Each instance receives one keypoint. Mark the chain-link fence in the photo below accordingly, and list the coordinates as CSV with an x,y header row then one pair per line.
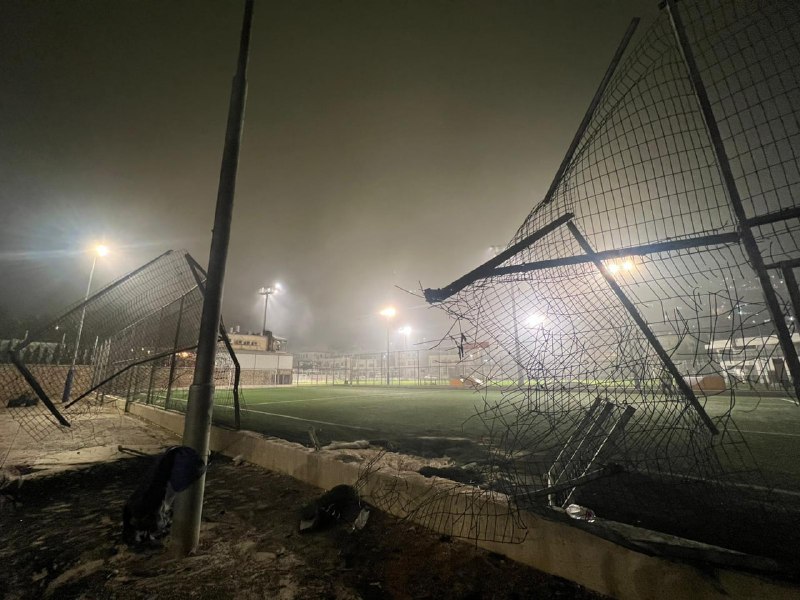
x,y
658,270
419,367
132,341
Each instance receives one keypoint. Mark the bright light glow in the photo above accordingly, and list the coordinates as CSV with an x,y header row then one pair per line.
x,y
405,330
273,289
389,312
101,250
534,320
625,264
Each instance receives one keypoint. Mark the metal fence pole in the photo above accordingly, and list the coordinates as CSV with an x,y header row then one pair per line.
x,y
173,358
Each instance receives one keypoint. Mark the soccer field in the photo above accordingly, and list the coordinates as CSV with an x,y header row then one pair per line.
x,y
432,421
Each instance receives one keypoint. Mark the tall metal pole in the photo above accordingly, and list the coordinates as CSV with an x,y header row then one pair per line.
x,y
745,231
266,305
71,372
197,428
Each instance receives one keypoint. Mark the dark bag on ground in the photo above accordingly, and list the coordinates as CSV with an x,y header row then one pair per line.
x,y
147,515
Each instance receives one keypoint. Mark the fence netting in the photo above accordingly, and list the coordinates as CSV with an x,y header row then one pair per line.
x,y
610,333
132,341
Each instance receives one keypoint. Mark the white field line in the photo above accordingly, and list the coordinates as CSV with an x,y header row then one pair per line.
x,y
789,400
770,433
749,486
365,396
261,412
757,400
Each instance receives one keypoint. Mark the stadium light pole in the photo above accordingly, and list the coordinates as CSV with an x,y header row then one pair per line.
x,y
99,250
389,312
200,404
406,331
267,292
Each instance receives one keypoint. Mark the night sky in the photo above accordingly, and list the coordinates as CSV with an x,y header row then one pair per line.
x,y
386,143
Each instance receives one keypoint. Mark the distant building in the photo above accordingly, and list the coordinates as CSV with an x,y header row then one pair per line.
x,y
257,342
262,358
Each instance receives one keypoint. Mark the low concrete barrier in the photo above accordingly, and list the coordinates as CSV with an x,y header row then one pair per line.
x,y
556,548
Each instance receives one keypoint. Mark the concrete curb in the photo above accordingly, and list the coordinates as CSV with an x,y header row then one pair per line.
x,y
556,548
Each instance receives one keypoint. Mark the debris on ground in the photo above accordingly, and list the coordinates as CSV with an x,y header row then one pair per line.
x,y
65,540
340,504
312,435
357,445
457,474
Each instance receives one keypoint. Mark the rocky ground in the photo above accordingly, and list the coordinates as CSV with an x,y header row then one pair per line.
x,y
60,538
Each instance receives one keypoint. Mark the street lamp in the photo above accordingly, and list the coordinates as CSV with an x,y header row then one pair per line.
x,y
99,250
389,312
267,292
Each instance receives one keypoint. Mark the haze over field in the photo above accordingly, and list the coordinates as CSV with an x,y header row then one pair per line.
x,y
385,143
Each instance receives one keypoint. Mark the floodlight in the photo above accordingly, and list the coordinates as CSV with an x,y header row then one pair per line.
x,y
534,320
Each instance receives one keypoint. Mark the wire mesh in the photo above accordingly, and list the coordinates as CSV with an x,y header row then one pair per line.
x,y
605,362
132,341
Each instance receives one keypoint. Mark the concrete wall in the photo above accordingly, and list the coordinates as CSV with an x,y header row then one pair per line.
x,y
550,546
265,360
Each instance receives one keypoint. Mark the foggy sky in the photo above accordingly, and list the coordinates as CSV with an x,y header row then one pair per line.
x,y
386,143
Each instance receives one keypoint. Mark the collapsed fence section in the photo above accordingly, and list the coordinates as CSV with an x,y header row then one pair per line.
x,y
662,255
132,341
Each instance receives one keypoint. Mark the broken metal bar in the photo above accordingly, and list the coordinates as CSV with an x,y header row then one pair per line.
x,y
485,270
748,240
199,273
237,374
201,276
783,264
645,329
775,217
616,430
578,431
719,239
605,471
28,376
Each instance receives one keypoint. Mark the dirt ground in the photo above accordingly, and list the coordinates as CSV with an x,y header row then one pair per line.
x,y
60,537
